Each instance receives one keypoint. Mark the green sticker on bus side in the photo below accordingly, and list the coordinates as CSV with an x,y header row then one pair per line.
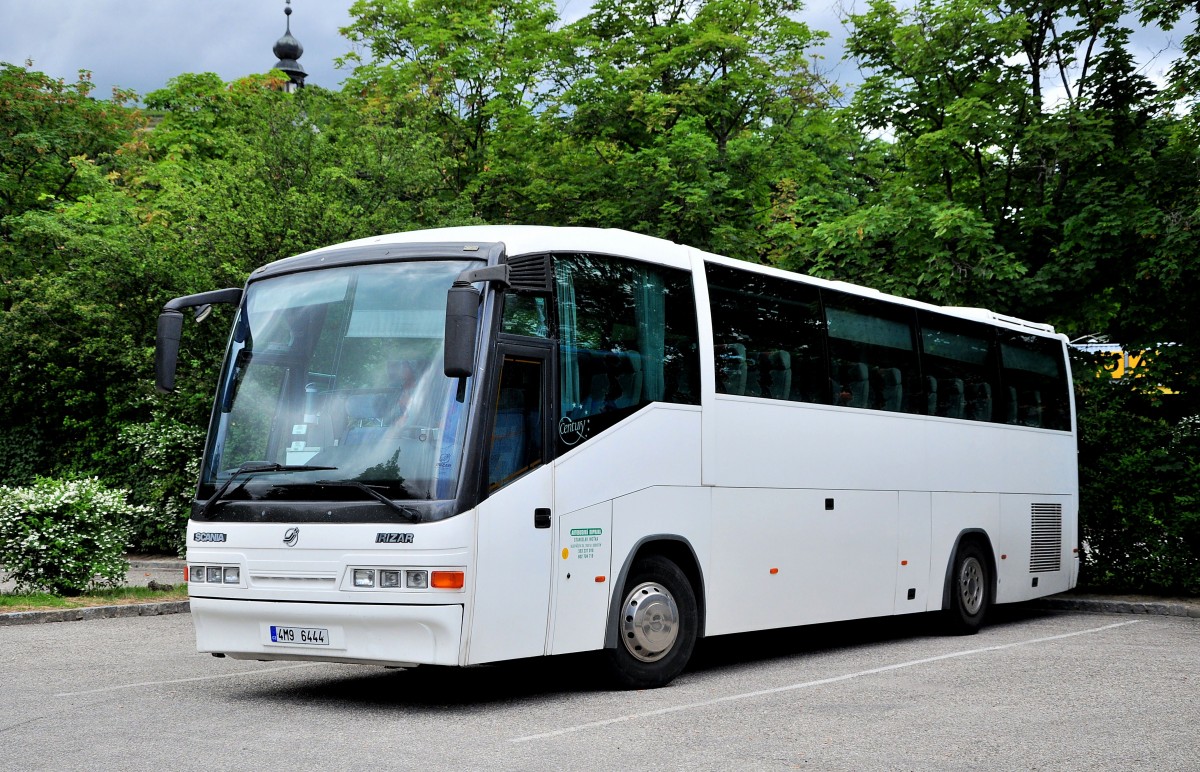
x,y
587,531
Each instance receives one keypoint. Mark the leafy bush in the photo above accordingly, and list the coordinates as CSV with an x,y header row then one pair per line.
x,y
160,464
65,536
1139,479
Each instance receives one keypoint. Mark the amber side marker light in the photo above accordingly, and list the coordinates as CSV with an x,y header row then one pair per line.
x,y
446,580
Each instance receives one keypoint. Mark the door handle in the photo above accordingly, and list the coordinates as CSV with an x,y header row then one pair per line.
x,y
541,517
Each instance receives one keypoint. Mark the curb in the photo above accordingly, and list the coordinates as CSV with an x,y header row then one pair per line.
x,y
95,612
1107,606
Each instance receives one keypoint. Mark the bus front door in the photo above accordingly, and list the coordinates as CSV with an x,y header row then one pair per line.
x,y
512,583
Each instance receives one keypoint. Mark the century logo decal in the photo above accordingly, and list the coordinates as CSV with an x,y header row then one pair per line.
x,y
572,431
291,536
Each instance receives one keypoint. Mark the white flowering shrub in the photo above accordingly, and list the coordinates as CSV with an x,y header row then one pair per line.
x,y
65,536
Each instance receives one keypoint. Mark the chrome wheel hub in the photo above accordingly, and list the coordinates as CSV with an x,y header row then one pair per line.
x,y
649,622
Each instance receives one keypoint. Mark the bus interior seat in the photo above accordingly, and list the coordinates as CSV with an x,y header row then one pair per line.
x,y
774,374
626,372
929,396
1031,408
365,417
731,368
808,382
979,402
593,381
1011,407
891,389
677,384
951,400
856,385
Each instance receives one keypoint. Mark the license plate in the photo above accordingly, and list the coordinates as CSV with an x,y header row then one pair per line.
x,y
304,636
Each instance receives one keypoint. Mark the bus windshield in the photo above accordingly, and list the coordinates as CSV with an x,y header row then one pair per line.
x,y
337,374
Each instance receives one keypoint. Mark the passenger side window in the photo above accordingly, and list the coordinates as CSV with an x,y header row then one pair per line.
x,y
769,336
959,366
873,359
1034,381
627,337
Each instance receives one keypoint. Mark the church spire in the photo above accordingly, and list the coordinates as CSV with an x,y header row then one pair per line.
x,y
288,50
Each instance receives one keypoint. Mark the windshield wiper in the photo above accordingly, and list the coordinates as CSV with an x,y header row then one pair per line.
x,y
248,471
412,515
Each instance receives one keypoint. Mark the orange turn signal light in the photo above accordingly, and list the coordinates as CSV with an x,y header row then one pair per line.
x,y
446,580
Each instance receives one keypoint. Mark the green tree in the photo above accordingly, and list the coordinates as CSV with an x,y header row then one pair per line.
x,y
462,72
233,176
681,120
1024,143
45,123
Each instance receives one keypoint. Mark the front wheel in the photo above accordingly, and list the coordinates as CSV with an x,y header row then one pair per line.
x,y
657,626
970,589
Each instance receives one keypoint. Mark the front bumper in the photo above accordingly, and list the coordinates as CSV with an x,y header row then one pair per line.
x,y
377,634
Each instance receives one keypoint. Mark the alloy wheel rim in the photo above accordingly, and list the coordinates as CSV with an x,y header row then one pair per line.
x,y
970,585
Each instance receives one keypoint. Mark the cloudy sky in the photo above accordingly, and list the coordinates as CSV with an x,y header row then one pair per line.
x,y
140,44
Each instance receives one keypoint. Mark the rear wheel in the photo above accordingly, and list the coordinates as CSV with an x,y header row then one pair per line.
x,y
657,626
970,589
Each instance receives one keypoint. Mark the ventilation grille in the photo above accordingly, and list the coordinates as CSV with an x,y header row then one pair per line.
x,y
1045,538
530,273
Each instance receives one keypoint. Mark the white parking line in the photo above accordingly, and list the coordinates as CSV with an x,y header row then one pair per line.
x,y
807,684
187,680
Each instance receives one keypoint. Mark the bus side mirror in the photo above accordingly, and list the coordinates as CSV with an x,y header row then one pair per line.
x,y
166,351
462,323
170,329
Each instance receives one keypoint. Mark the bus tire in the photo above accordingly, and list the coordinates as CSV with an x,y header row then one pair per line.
x,y
657,625
970,589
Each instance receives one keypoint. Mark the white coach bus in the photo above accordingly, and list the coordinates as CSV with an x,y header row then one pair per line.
x,y
475,444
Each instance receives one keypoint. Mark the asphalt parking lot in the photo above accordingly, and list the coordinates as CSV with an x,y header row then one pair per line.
x,y
1034,690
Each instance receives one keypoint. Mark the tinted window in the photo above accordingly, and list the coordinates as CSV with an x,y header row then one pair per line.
x,y
517,432
959,369
526,315
1034,381
769,336
627,337
873,361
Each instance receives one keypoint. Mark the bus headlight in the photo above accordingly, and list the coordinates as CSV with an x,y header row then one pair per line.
x,y
202,574
402,579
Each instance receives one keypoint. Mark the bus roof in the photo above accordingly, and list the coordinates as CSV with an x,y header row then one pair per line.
x,y
525,239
